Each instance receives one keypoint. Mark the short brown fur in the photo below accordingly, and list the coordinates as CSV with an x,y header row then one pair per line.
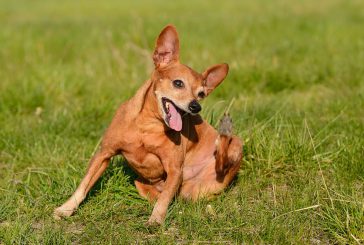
x,y
195,162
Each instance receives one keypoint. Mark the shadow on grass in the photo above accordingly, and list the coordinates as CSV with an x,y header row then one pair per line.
x,y
118,166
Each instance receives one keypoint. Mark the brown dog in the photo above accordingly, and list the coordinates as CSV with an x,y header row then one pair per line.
x,y
171,148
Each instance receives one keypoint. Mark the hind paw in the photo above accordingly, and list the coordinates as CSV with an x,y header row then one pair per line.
x,y
226,125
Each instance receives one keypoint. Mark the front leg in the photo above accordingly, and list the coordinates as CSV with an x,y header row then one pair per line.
x,y
96,167
171,186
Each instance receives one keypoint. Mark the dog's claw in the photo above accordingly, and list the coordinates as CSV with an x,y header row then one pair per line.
x,y
226,125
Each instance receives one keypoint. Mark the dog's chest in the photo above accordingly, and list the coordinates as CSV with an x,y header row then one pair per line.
x,y
142,154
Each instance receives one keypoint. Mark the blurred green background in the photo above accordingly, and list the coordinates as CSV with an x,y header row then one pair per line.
x,y
296,88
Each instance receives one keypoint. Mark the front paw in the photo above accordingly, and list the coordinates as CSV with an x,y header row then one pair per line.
x,y
61,212
154,221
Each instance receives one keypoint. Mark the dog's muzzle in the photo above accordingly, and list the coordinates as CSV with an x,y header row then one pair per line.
x,y
194,106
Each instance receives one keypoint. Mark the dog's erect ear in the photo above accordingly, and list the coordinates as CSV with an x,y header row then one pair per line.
x,y
213,76
166,48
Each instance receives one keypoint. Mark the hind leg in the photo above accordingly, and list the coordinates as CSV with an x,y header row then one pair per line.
x,y
228,149
146,190
228,156
210,181
219,171
97,166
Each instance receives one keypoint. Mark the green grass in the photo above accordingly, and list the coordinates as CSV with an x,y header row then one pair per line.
x,y
297,90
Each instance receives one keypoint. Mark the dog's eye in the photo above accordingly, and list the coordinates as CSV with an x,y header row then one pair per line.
x,y
201,94
178,84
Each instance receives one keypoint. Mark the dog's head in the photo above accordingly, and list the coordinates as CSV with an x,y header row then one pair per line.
x,y
178,88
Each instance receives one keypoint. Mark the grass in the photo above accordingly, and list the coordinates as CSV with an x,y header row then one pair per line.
x,y
296,89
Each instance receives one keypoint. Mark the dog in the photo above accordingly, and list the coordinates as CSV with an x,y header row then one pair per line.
x,y
163,138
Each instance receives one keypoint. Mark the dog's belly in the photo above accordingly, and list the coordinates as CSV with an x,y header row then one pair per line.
x,y
200,180
146,165
202,154
198,162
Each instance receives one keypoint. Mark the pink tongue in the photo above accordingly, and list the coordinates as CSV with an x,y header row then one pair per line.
x,y
175,121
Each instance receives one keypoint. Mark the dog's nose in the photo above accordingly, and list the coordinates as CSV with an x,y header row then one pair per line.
x,y
194,106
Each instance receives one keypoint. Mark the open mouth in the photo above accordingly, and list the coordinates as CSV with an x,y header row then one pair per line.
x,y
173,116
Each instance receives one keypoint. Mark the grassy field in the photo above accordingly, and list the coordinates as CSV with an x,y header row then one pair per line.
x,y
296,90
